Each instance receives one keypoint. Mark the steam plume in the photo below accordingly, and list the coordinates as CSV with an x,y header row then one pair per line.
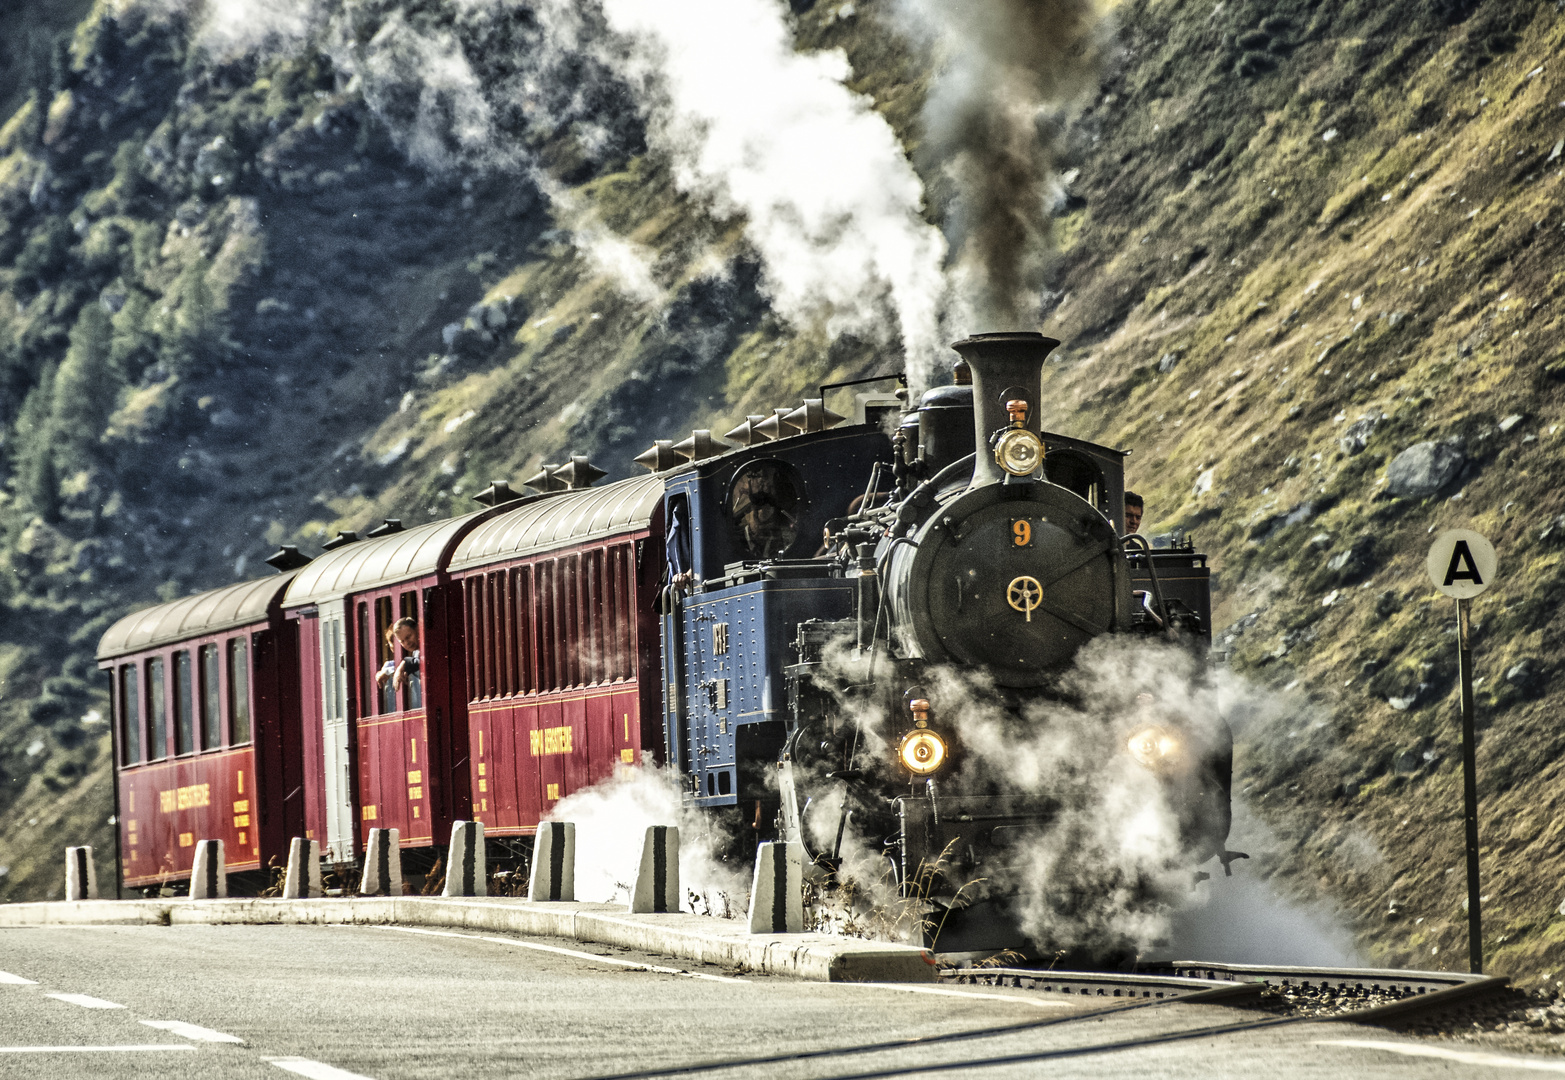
x,y
829,199
1011,70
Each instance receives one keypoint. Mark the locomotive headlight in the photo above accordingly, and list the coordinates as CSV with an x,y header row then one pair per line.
x,y
1019,452
922,751
1156,747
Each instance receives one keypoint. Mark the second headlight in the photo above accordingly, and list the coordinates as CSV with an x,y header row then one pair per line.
x,y
922,752
1156,747
1019,452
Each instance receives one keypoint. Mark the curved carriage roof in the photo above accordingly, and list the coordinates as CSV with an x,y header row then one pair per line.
x,y
193,616
383,560
575,517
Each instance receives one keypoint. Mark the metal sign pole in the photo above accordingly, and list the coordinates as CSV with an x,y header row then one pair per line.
x,y
1469,791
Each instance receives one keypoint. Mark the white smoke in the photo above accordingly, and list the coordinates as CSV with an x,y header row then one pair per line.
x,y
1244,919
1114,869
755,128
628,264
612,818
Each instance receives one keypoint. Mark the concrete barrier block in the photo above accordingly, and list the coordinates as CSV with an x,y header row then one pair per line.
x,y
466,874
657,885
382,864
777,895
209,876
554,862
303,879
81,876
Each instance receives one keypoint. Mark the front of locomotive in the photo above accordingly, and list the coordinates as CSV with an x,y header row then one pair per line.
x,y
994,581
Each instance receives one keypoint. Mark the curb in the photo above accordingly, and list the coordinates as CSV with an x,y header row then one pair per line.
x,y
696,938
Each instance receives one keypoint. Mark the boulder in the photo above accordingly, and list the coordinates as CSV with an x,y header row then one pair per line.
x,y
1356,437
1423,469
1526,675
1355,562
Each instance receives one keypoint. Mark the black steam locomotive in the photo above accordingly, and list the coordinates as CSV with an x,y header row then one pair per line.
x,y
969,555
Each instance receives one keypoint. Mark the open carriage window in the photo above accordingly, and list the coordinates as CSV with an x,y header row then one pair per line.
x,y
413,689
383,653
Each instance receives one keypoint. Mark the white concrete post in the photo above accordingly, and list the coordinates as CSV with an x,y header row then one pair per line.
x,y
466,874
777,895
209,875
304,870
657,886
554,862
81,876
382,864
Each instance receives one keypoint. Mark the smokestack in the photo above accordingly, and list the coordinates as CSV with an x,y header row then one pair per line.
x,y
1006,367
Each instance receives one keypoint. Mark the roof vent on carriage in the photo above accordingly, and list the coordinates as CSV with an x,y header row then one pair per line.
x,y
546,481
498,491
579,473
745,434
286,558
385,528
659,456
700,446
342,539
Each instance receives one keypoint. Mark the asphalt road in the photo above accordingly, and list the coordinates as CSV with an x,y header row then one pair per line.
x,y
332,1003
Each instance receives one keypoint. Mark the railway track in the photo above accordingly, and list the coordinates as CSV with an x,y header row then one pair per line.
x,y
1354,995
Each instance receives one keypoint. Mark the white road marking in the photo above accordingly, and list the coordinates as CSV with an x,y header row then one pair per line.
x,y
1466,1057
93,1049
192,1031
85,1001
8,979
635,964
908,988
315,1070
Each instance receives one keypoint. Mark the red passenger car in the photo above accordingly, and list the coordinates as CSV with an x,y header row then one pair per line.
x,y
198,685
561,647
376,756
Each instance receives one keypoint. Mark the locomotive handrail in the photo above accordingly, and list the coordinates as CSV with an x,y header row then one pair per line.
x,y
921,494
1157,586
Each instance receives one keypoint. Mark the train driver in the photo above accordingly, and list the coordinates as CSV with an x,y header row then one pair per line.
x,y
1133,509
403,632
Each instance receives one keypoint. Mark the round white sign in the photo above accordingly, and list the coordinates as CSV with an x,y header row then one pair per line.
x,y
1461,563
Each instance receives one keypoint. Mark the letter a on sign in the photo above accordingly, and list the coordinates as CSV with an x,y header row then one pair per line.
x,y
1461,563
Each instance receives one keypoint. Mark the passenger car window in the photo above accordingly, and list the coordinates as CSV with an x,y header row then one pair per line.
x,y
238,691
130,715
157,711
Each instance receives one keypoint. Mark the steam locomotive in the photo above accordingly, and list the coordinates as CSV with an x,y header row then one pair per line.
x,y
767,615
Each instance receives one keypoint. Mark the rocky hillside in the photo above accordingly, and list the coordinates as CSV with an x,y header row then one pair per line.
x,y
1304,259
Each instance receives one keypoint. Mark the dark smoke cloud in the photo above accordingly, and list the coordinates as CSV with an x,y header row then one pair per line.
x,y
1010,73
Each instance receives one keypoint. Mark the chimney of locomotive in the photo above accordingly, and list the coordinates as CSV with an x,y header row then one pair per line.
x,y
1006,367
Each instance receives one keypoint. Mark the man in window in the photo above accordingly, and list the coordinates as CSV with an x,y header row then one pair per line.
x,y
1133,509
403,632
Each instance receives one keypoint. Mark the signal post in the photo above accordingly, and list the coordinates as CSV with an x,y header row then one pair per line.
x,y
1462,565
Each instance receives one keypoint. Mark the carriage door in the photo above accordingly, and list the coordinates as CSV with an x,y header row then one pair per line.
x,y
334,731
